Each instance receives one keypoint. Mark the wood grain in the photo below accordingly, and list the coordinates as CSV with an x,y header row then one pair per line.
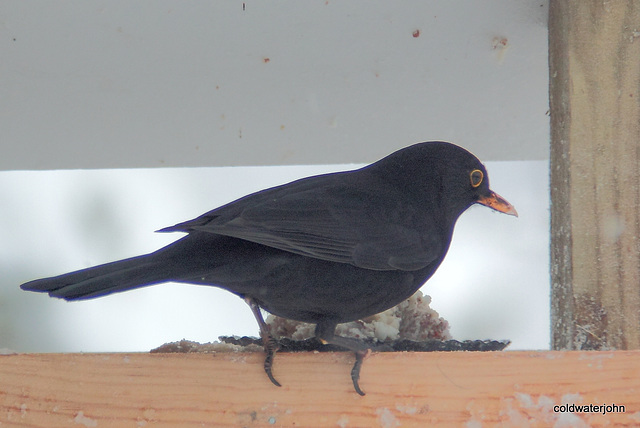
x,y
470,389
594,51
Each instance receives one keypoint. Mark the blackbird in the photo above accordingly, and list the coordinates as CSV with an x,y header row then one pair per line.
x,y
326,249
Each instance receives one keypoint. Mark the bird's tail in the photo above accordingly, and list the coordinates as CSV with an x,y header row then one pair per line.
x,y
104,279
189,259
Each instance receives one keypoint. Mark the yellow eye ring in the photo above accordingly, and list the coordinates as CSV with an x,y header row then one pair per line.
x,y
476,176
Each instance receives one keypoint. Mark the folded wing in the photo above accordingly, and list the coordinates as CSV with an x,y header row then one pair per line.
x,y
330,219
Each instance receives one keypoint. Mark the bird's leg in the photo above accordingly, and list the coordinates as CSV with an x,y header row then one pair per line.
x,y
355,371
268,341
325,332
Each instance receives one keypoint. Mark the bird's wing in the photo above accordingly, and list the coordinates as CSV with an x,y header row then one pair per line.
x,y
367,227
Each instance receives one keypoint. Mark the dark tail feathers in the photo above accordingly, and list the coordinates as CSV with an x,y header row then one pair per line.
x,y
104,279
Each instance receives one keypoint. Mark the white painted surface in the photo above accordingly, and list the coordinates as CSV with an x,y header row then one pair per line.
x,y
112,84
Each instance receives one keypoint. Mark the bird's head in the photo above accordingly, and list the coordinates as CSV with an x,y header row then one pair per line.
x,y
443,174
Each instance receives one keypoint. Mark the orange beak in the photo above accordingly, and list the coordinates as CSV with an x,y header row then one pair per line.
x,y
498,203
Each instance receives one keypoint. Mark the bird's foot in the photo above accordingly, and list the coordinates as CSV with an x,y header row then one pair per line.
x,y
325,332
270,347
268,341
355,371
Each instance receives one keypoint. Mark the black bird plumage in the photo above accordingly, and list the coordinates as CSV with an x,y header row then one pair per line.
x,y
325,249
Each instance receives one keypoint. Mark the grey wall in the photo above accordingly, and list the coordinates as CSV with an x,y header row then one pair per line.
x,y
110,84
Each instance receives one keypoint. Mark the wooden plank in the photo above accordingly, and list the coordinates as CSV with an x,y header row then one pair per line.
x,y
408,389
594,54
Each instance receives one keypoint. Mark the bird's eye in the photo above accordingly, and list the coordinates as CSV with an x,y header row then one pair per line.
x,y
476,176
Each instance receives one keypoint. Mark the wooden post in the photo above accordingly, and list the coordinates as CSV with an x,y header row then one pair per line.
x,y
594,55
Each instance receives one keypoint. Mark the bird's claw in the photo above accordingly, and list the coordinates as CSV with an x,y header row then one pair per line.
x,y
355,371
268,341
270,347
